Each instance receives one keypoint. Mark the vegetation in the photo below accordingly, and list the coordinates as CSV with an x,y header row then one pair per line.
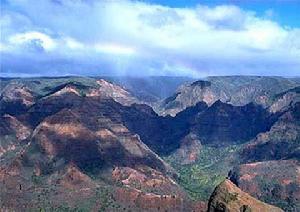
x,y
100,200
47,85
273,190
11,146
200,179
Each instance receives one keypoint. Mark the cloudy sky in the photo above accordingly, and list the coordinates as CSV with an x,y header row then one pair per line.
x,y
158,37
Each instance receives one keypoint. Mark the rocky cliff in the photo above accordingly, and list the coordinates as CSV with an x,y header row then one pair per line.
x,y
228,197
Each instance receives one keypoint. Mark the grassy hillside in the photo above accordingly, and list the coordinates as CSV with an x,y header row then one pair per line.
x,y
200,178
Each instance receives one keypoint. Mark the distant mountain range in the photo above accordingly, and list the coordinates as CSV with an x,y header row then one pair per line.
x,y
150,144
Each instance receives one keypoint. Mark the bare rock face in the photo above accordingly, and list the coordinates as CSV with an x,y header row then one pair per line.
x,y
11,125
73,178
161,134
16,98
235,90
67,89
18,92
50,105
141,201
146,179
228,197
116,92
146,189
89,141
76,143
224,123
14,136
189,149
285,100
275,182
149,201
282,141
189,95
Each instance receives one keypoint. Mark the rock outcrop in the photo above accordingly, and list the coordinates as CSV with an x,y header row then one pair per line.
x,y
228,197
116,92
16,98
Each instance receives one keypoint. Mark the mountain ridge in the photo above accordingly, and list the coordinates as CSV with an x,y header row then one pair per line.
x,y
96,137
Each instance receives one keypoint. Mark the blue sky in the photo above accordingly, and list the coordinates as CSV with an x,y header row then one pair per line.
x,y
286,12
153,37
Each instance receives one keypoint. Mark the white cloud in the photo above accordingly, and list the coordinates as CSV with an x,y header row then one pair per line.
x,y
113,48
41,39
159,40
72,43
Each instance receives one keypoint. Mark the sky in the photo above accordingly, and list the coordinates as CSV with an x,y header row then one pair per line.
x,y
194,38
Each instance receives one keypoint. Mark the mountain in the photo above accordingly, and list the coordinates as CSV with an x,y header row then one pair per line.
x,y
275,182
230,136
284,100
76,143
235,90
282,141
146,89
270,169
16,98
150,89
77,153
222,123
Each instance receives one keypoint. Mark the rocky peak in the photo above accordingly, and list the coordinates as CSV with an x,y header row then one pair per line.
x,y
11,125
228,197
116,92
18,92
187,96
285,100
236,90
16,98
66,89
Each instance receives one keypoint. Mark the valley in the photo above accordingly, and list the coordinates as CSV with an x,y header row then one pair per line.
x,y
118,144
